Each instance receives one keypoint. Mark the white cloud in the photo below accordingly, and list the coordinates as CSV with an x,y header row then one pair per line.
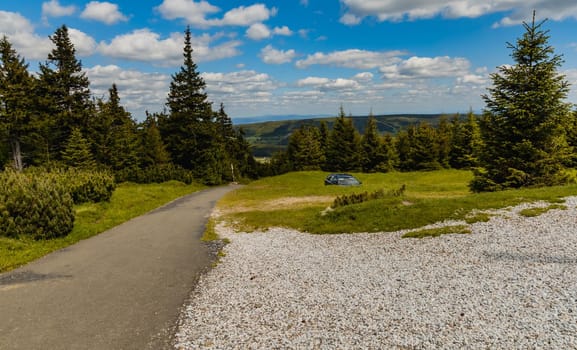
x,y
325,84
27,43
426,68
240,91
258,31
194,12
284,30
105,12
138,91
364,76
53,8
197,13
313,81
84,44
399,10
353,58
144,45
271,55
245,16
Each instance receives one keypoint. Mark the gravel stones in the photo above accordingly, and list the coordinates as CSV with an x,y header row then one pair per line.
x,y
510,284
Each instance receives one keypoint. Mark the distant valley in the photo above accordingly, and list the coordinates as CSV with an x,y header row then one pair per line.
x,y
268,137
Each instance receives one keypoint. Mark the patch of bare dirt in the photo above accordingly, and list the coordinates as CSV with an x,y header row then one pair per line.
x,y
279,203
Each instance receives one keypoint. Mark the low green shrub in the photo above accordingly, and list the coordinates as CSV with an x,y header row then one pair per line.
x,y
32,205
89,185
84,185
155,174
356,198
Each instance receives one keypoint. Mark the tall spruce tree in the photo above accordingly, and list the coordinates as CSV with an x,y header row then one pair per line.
x,y
17,105
64,94
466,142
343,151
153,151
526,118
114,135
304,149
77,151
189,129
373,151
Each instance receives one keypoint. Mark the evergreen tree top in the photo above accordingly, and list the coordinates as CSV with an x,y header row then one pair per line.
x,y
187,89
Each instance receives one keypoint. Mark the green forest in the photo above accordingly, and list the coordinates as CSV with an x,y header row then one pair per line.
x,y
60,145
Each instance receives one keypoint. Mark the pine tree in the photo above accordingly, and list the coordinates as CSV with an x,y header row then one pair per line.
x,y
65,95
77,151
153,151
343,146
524,126
114,134
17,107
373,156
466,142
304,149
444,140
188,130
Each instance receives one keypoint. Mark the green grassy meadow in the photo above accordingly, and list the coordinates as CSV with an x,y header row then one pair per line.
x,y
300,200
128,201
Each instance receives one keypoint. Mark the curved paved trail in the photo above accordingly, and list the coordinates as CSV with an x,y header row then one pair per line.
x,y
122,289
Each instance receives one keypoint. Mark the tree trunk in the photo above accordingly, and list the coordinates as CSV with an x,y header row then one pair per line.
x,y
17,155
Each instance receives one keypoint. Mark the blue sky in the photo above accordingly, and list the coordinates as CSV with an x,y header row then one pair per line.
x,y
305,57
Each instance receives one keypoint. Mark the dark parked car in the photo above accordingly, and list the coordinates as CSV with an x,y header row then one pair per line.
x,y
342,179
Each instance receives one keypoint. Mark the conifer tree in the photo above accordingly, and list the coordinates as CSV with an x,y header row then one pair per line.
x,y
188,130
304,149
373,156
526,118
17,107
444,140
466,142
64,93
114,134
77,152
153,150
343,147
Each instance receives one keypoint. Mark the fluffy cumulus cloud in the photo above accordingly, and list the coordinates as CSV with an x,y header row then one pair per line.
x,y
199,14
241,91
138,91
53,8
105,12
270,55
398,10
325,84
426,68
259,31
353,58
84,44
147,46
21,34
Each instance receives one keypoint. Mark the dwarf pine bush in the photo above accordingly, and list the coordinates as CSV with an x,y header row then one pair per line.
x,y
36,206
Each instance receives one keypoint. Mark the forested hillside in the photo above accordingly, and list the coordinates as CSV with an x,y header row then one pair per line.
x,y
268,137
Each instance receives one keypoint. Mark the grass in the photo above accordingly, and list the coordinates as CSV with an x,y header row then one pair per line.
x,y
429,197
436,232
532,212
128,201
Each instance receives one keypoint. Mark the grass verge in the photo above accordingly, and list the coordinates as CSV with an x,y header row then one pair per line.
x,y
299,201
436,232
128,201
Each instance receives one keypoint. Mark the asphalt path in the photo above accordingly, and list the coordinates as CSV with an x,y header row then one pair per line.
x,y
122,289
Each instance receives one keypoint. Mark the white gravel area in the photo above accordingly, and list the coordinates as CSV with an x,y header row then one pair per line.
x,y
511,284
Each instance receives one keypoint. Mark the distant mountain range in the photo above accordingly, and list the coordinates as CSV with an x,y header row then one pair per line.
x,y
268,118
269,134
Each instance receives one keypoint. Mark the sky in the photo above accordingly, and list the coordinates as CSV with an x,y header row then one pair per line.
x,y
295,57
